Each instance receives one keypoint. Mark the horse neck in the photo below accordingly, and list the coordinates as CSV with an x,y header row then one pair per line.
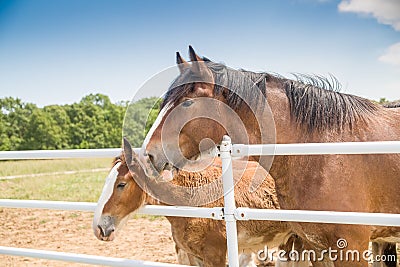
x,y
195,179
182,179
151,201
285,130
146,186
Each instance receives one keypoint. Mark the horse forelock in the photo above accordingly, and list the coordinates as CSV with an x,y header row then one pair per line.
x,y
243,87
120,158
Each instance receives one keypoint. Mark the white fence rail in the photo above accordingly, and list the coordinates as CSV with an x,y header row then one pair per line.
x,y
180,211
61,154
238,150
229,212
348,148
337,217
81,258
58,154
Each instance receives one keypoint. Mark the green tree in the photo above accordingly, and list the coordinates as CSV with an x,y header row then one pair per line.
x,y
139,117
93,122
15,117
42,132
60,123
383,100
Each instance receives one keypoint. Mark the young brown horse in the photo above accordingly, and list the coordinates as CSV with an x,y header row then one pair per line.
x,y
301,113
203,239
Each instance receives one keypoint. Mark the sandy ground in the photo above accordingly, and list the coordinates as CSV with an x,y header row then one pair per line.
x,y
66,231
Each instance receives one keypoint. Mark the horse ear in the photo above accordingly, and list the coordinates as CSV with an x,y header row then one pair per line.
x,y
130,155
198,64
193,56
182,64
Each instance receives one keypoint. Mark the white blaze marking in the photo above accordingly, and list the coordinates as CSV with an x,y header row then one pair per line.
x,y
105,194
155,125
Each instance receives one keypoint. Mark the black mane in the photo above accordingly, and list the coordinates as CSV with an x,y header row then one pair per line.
x,y
315,101
320,106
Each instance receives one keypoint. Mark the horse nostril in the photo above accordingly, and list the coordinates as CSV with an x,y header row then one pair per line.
x,y
105,231
102,232
168,166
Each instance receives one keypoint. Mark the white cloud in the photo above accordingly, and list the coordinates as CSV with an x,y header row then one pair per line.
x,y
392,55
385,11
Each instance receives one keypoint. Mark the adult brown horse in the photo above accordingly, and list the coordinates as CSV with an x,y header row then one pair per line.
x,y
301,113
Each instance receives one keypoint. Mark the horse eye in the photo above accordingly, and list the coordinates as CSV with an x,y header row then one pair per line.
x,y
121,185
187,103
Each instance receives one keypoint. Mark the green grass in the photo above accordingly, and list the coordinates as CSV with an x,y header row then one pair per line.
x,y
75,187
67,187
20,167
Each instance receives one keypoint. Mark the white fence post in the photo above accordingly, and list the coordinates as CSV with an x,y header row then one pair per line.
x,y
229,202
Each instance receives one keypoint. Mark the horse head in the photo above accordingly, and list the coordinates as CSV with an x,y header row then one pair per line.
x,y
121,195
197,110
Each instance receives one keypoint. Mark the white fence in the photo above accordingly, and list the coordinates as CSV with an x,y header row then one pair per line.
x,y
62,154
229,212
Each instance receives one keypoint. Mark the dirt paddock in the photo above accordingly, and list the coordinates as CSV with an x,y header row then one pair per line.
x,y
68,231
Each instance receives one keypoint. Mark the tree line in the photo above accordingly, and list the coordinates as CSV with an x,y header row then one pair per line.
x,y
93,122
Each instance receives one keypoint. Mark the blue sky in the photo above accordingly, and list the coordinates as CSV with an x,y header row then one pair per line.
x,y
55,52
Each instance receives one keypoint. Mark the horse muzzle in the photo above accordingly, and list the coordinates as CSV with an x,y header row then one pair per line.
x,y
106,228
